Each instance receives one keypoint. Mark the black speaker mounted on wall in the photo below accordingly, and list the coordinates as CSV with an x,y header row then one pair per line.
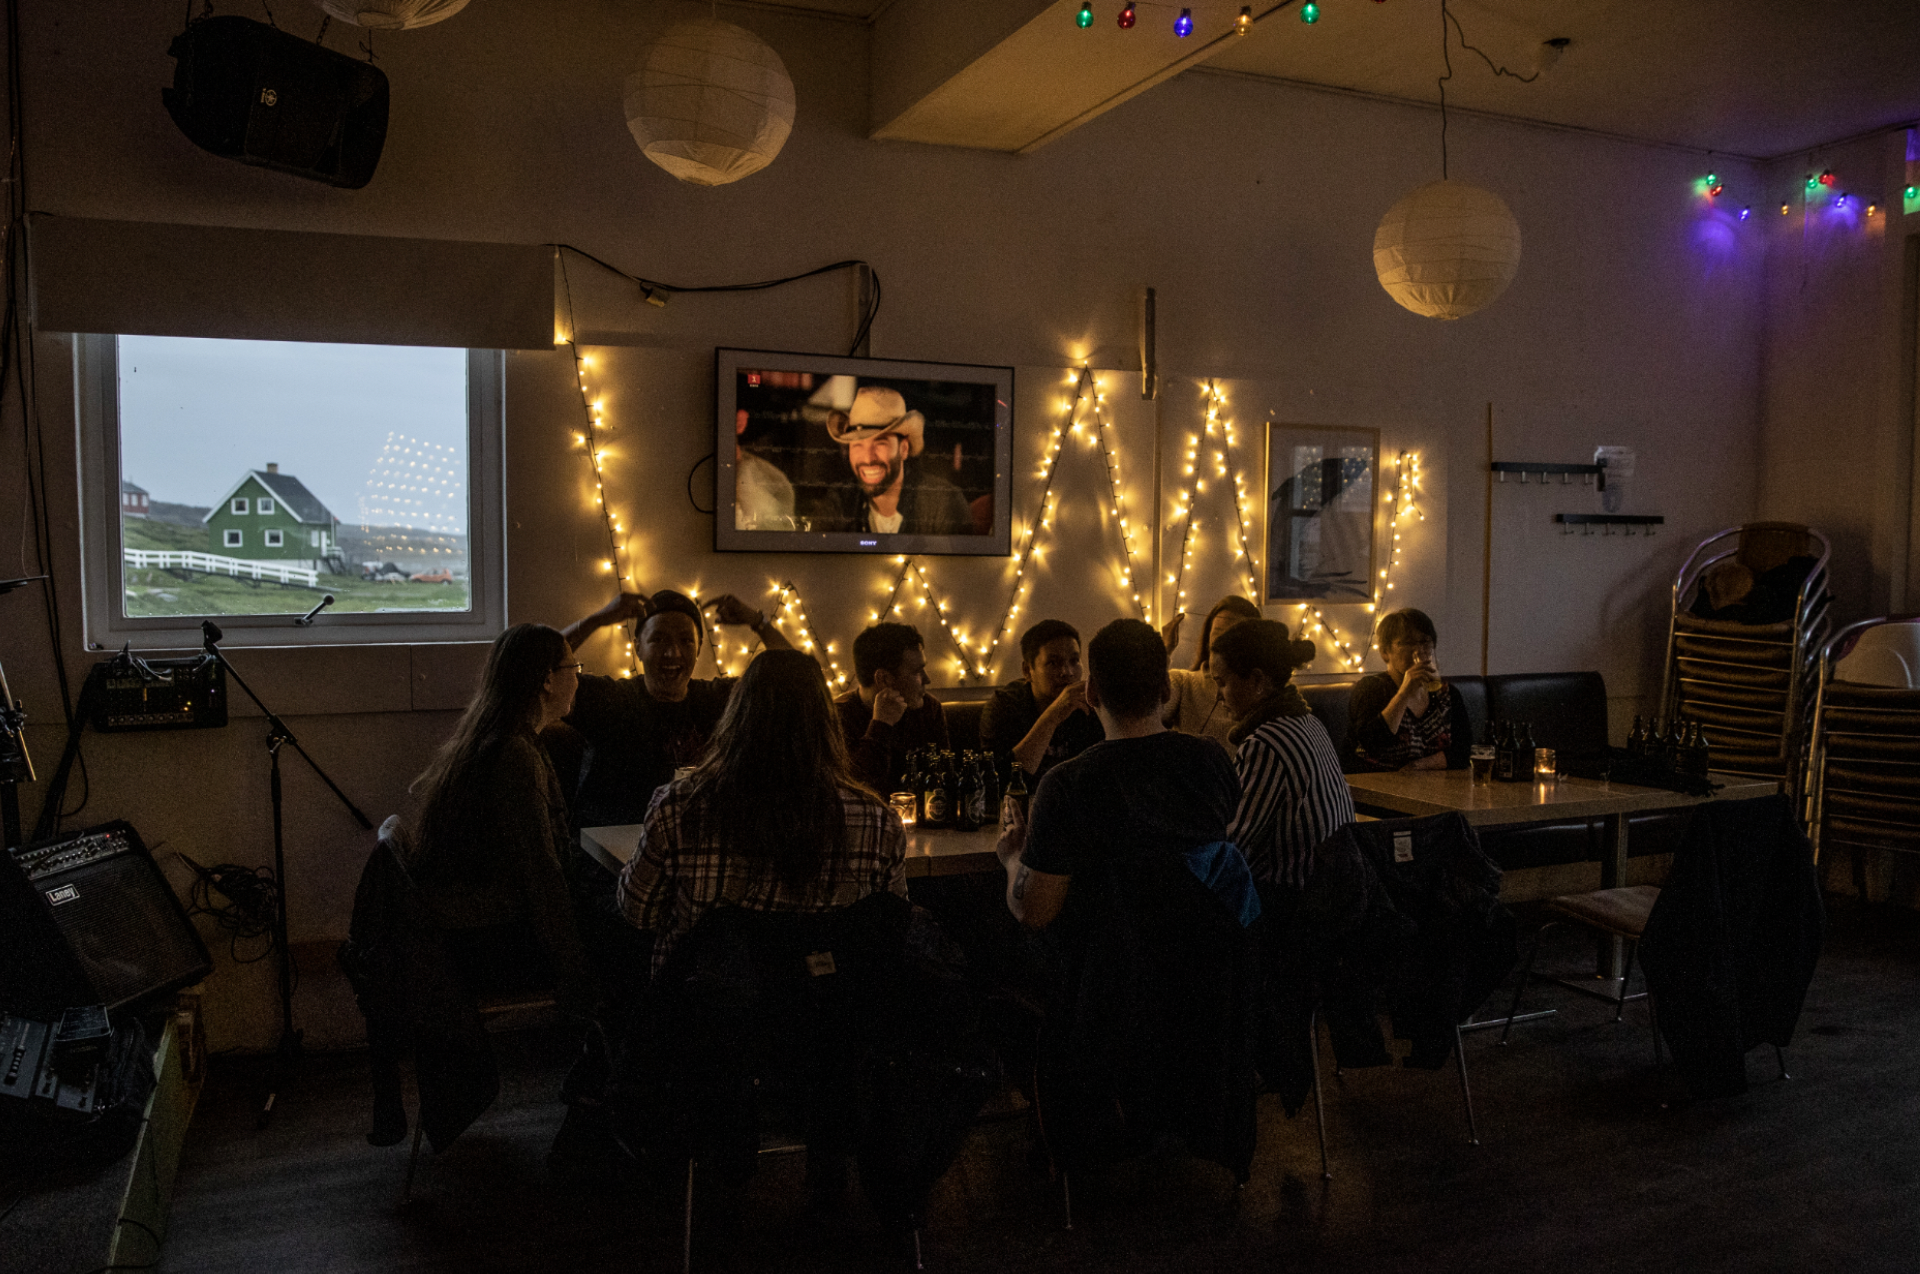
x,y
244,90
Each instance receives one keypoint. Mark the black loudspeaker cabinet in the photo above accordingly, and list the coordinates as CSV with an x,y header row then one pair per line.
x,y
245,91
90,919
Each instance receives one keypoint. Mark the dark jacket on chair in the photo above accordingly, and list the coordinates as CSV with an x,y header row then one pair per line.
x,y
1732,942
1425,938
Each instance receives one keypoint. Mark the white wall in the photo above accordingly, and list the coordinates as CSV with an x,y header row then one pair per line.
x,y
1635,320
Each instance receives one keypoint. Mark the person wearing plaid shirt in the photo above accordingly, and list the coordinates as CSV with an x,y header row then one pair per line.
x,y
771,821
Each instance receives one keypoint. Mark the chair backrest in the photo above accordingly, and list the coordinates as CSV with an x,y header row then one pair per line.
x,y
1887,654
1329,702
1765,545
963,723
1566,710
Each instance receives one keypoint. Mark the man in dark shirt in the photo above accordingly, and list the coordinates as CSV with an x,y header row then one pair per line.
x,y
1043,718
640,730
890,713
1144,791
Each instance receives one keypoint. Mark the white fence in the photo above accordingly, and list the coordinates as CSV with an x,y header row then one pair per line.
x,y
214,564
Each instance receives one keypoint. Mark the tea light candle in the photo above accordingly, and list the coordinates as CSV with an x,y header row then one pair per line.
x,y
906,807
1544,769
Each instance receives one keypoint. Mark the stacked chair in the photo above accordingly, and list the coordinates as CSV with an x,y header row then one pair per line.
x,y
1863,768
1750,685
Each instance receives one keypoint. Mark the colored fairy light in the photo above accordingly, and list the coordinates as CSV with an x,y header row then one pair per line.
x,y
1785,207
1183,25
1826,177
1714,188
1913,192
1745,213
1127,18
1309,13
1841,202
1243,23
1812,181
1085,17
1872,208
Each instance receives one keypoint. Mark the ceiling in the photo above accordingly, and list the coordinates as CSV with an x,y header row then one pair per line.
x,y
1757,78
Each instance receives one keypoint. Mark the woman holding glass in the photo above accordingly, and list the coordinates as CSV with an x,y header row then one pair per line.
x,y
1406,718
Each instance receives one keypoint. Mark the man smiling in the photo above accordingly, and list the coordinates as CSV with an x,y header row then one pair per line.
x,y
889,493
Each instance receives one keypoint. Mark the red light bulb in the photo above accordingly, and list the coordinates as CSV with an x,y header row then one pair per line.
x,y
1826,178
1126,18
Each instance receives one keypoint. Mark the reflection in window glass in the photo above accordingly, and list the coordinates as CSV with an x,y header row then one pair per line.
x,y
256,475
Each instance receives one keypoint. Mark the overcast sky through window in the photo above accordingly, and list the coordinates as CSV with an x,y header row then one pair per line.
x,y
196,414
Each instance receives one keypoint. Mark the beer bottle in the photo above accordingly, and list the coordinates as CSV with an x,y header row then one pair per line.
x,y
1676,749
1017,795
966,804
989,787
1523,753
1503,759
1656,741
1637,737
1702,752
936,807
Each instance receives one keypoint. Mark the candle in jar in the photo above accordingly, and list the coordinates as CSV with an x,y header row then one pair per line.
x,y
906,807
1544,767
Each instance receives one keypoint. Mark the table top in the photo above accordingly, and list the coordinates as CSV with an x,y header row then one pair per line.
x,y
1424,792
930,852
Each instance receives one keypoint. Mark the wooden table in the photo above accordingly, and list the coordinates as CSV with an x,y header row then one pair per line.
x,y
929,852
1423,792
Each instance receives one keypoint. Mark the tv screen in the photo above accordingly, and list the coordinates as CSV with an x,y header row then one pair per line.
x,y
817,454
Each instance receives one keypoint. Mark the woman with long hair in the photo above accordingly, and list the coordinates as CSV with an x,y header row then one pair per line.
x,y
1292,794
487,846
1195,707
772,820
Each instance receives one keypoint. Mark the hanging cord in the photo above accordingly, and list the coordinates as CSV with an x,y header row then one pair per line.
x,y
252,902
1446,57
271,20
657,293
325,22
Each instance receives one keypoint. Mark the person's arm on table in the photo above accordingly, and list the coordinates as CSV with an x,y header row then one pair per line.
x,y
1034,897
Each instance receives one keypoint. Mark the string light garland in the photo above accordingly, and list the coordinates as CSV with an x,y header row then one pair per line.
x,y
787,598
590,440
1219,431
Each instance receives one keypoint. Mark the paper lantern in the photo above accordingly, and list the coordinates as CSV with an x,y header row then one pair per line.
x,y
1447,249
711,102
392,15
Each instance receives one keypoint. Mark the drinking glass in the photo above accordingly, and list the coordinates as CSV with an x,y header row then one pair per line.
x,y
906,807
1481,761
1544,768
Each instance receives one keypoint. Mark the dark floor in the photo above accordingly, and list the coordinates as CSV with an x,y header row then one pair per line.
x,y
1591,1162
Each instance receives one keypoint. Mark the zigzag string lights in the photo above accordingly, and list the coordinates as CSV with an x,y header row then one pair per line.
x,y
1402,505
413,505
590,440
1219,431
977,659
787,598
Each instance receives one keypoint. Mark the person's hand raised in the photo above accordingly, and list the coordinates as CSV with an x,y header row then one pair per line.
x,y
1170,632
1069,701
889,705
624,607
728,609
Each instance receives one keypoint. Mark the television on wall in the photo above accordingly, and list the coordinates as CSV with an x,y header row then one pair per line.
x,y
818,454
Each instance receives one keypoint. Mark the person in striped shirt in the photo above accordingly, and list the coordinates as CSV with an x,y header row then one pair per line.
x,y
1292,794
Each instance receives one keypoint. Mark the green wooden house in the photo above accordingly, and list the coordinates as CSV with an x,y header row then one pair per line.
x,y
271,516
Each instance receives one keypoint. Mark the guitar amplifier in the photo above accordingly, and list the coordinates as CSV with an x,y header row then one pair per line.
x,y
90,919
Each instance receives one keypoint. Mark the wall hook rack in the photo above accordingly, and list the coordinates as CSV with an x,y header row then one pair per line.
x,y
1627,522
1587,473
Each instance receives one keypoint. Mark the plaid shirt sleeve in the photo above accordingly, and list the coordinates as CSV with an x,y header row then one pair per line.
x,y
646,885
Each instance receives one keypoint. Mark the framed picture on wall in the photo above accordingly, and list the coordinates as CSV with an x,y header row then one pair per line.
x,y
1320,489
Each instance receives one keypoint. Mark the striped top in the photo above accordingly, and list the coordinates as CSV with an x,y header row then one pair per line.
x,y
1292,797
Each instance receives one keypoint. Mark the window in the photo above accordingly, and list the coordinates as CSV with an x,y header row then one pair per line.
x,y
387,456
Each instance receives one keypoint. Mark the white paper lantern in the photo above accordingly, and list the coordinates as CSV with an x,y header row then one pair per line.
x,y
711,102
392,15
1447,249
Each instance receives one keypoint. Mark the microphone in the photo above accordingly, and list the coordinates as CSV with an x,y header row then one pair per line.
x,y
306,620
210,631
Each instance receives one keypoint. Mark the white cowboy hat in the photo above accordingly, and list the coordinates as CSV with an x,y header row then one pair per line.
x,y
877,411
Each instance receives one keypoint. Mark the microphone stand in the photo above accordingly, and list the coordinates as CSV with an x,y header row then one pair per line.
x,y
279,736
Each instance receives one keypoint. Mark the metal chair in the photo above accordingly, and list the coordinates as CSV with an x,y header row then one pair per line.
x,y
1614,913
1750,685
1863,766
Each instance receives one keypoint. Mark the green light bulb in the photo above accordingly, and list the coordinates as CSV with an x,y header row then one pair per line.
x,y
1084,18
1913,192
1309,13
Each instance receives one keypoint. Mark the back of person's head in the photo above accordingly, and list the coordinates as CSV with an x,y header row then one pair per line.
x,y
668,602
1043,634
1403,625
770,784
507,701
1262,645
1235,605
881,648
1127,669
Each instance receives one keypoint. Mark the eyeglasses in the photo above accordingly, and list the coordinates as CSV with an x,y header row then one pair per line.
x,y
563,667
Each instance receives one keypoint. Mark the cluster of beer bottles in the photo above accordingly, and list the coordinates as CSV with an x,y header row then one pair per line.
x,y
1680,746
1512,750
961,790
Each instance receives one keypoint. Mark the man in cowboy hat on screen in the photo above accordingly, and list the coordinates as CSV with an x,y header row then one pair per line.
x,y
887,494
